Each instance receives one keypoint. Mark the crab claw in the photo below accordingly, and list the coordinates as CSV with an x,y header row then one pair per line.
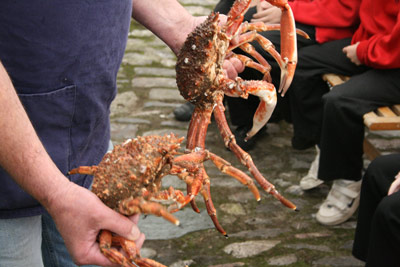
x,y
267,95
288,45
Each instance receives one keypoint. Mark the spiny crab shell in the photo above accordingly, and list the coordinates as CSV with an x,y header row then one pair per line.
x,y
134,168
200,60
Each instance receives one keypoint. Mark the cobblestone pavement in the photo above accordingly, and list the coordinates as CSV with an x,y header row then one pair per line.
x,y
260,234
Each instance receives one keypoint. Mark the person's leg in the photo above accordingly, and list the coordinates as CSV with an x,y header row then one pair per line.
x,y
20,241
308,88
375,185
343,129
342,138
384,243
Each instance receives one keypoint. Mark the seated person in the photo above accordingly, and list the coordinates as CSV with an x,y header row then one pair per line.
x,y
334,119
377,237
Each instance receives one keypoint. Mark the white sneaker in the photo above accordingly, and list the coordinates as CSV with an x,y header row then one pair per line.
x,y
341,203
311,181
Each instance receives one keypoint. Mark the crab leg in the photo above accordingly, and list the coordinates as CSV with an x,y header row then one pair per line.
x,y
267,46
134,205
264,90
89,170
197,131
267,95
225,167
106,239
235,16
244,157
261,27
248,62
288,44
212,212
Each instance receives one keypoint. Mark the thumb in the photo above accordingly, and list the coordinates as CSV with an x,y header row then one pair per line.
x,y
121,225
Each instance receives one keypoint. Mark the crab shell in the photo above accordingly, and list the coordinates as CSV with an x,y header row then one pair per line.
x,y
198,73
135,167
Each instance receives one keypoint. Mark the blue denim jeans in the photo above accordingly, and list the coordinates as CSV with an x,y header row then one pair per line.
x,y
32,241
20,242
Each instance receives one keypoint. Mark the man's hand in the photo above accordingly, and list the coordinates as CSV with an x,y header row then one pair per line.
x,y
395,186
267,13
233,67
80,215
351,53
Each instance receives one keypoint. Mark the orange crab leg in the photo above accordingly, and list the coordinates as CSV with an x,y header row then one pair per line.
x,y
146,262
264,90
248,62
212,212
261,27
225,167
236,16
135,205
244,157
288,44
267,94
105,241
89,170
265,44
197,131
129,247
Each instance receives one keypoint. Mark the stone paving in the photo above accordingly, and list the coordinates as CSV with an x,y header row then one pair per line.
x,y
260,234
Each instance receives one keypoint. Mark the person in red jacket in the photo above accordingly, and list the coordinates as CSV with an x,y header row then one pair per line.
x,y
322,20
334,119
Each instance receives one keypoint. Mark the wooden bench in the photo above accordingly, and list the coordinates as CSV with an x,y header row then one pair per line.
x,y
383,118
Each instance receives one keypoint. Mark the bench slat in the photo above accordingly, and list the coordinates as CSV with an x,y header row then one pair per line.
x,y
382,123
386,112
396,109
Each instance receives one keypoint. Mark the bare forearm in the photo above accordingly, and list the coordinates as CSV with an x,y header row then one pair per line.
x,y
21,153
167,19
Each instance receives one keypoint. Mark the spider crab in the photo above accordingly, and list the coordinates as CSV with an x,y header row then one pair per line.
x,y
128,180
202,81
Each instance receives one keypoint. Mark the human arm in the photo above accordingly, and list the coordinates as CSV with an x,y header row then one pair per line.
x,y
171,22
167,19
380,50
78,213
267,13
395,186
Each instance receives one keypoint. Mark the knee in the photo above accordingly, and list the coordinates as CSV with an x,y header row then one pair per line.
x,y
331,99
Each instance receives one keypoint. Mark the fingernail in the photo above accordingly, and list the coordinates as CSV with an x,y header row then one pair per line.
x,y
135,233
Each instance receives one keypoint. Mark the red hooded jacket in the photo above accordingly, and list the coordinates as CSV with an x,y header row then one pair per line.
x,y
379,34
333,19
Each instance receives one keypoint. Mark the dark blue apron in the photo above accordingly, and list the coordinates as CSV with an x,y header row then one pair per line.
x,y
63,57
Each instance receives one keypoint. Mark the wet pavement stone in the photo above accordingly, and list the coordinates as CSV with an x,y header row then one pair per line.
x,y
261,233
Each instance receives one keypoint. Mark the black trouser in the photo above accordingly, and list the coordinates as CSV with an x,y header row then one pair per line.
x,y
377,237
335,118
241,111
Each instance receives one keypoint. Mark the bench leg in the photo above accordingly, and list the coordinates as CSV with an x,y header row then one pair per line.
x,y
370,150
